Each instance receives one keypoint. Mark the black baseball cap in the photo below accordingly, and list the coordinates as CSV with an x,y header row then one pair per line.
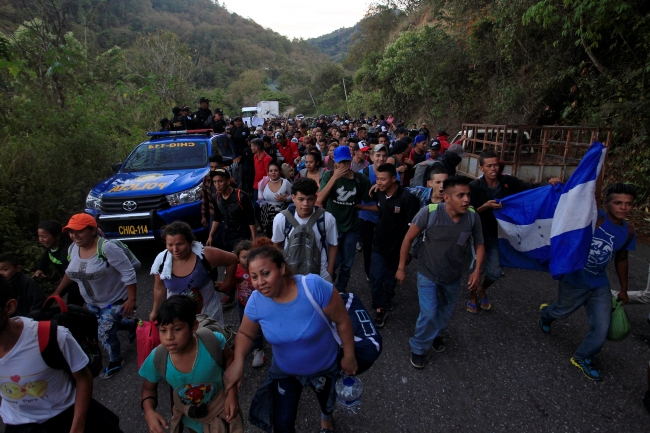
x,y
203,99
220,172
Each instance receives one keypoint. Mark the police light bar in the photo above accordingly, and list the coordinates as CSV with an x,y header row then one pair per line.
x,y
168,133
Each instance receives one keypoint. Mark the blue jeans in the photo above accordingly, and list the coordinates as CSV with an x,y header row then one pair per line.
x,y
382,279
345,258
598,306
492,265
437,302
258,343
110,321
286,396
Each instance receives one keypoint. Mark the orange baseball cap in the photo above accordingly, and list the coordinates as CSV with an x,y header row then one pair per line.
x,y
79,222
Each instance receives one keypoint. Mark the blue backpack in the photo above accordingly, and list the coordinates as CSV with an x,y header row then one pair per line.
x,y
367,340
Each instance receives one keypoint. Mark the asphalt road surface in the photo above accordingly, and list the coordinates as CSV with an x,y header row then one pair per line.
x,y
499,372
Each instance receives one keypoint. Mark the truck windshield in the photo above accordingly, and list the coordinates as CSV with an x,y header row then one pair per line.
x,y
167,156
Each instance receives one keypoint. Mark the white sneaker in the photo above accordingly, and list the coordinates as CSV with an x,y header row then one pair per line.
x,y
258,358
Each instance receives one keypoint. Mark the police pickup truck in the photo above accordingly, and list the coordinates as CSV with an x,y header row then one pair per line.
x,y
160,182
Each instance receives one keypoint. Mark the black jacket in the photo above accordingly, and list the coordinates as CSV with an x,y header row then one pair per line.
x,y
239,137
218,126
202,115
178,123
28,293
508,185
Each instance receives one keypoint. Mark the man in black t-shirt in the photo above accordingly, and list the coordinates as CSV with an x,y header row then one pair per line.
x,y
234,209
397,207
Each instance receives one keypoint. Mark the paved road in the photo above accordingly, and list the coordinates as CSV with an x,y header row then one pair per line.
x,y
500,373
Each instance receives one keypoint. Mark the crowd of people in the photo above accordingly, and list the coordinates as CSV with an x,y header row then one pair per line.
x,y
311,196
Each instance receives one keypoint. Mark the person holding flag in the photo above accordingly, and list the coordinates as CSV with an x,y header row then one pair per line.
x,y
589,286
486,194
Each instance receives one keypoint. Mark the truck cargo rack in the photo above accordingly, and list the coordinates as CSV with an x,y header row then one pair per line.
x,y
532,153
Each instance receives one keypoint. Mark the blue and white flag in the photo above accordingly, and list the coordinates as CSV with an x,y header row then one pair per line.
x,y
550,228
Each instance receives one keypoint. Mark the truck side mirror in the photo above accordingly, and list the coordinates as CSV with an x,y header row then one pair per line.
x,y
116,167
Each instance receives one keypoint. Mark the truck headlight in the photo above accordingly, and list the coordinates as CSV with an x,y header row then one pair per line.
x,y
188,196
93,201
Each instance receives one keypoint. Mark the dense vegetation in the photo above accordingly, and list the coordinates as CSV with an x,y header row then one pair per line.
x,y
335,44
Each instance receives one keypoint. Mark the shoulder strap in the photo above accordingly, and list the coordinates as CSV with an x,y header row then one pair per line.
x,y
100,248
366,172
49,345
239,199
70,251
600,221
212,344
162,264
472,215
290,219
160,360
320,311
315,216
206,264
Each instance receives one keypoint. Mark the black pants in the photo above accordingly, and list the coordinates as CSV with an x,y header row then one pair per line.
x,y
286,396
367,232
98,420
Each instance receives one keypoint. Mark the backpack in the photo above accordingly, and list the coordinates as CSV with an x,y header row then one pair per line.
x,y
81,323
420,175
301,251
431,220
101,243
367,340
238,198
205,333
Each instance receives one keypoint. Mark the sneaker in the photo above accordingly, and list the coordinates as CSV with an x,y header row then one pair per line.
x,y
543,326
380,318
585,365
389,305
417,361
359,247
113,368
258,358
132,331
438,344
227,302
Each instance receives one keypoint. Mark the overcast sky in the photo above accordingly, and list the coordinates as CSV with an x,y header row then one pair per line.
x,y
301,18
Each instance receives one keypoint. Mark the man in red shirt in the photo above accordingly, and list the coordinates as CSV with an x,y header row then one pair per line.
x,y
288,149
261,161
444,144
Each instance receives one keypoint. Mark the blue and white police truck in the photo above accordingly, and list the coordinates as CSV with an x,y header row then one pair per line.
x,y
160,182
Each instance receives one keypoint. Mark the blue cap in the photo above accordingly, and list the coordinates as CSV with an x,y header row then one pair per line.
x,y
419,138
342,153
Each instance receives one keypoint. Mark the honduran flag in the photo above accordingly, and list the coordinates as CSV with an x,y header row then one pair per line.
x,y
550,228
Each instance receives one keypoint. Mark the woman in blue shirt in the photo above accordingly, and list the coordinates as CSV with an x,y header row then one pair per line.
x,y
304,349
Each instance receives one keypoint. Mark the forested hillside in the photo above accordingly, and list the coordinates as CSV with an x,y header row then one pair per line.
x,y
565,62
335,44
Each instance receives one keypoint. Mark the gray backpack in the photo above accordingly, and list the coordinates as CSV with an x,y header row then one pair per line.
x,y
101,242
302,252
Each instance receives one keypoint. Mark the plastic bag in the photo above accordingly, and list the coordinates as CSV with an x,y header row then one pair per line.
x,y
147,339
619,327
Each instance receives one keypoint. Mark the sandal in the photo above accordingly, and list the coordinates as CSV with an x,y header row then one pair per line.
x,y
471,307
485,302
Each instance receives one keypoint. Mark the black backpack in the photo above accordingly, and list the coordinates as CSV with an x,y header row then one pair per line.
x,y
81,323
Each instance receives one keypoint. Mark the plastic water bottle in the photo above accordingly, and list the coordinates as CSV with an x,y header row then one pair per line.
x,y
348,393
